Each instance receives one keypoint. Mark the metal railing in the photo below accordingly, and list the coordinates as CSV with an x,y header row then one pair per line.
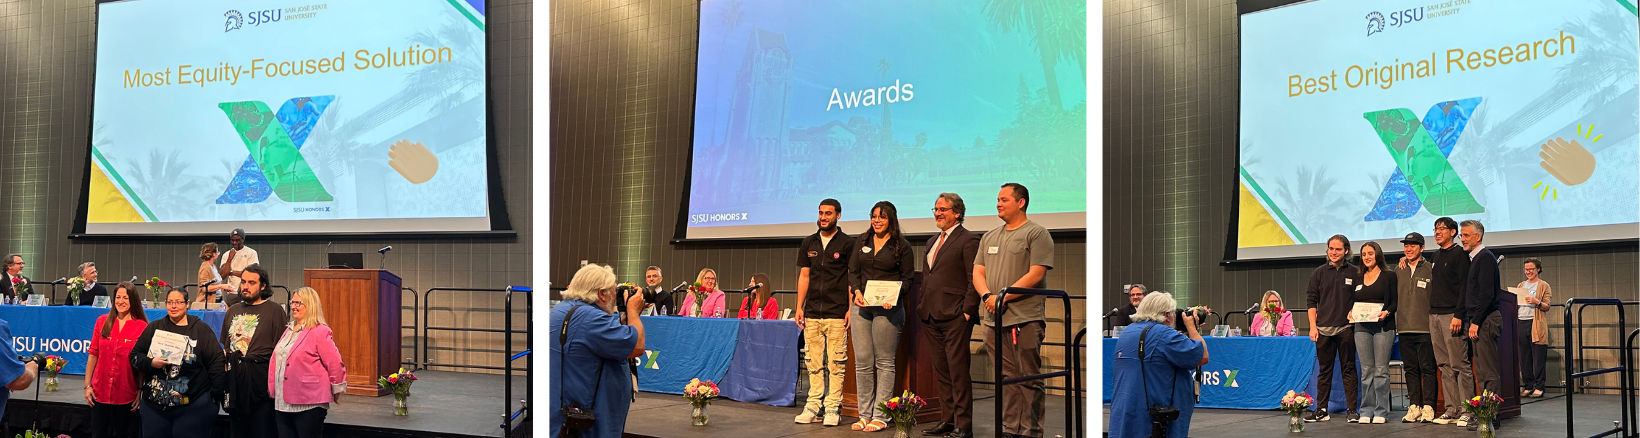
x,y
1571,358
428,328
1571,342
415,326
509,416
1078,394
996,364
1063,345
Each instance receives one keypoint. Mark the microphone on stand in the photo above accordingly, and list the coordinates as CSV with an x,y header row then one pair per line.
x,y
751,288
1112,312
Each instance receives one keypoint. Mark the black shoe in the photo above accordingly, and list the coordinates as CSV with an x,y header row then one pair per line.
x,y
1316,416
960,433
940,428
1351,417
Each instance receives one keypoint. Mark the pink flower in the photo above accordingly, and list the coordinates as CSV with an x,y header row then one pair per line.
x,y
392,380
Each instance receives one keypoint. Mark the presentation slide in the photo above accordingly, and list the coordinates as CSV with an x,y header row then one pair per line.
x,y
286,117
866,101
1372,119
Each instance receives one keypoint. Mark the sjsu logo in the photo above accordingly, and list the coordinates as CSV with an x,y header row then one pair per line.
x,y
258,18
1376,22
234,21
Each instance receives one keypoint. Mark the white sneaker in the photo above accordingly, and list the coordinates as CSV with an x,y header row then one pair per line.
x,y
1412,415
806,417
1463,421
1444,419
832,418
1377,420
1428,415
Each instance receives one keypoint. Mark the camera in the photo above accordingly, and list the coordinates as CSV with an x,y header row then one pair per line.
x,y
1159,417
576,419
650,296
1178,321
39,360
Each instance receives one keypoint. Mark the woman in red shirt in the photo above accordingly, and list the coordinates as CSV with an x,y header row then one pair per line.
x,y
110,389
759,305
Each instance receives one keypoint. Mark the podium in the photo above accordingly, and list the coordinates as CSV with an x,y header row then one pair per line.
x,y
913,368
362,308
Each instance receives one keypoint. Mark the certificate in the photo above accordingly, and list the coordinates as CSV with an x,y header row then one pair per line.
x,y
1520,296
35,300
1366,312
880,292
169,346
100,301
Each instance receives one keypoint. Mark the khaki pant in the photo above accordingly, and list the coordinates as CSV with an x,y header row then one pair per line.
x,y
1023,404
1451,358
826,341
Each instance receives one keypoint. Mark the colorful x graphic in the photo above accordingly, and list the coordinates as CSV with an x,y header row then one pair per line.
x,y
275,165
1423,177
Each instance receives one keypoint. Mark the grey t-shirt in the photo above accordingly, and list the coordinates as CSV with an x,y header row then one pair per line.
x,y
1008,255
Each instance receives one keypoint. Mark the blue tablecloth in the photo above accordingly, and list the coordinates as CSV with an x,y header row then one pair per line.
x,y
66,330
1246,373
751,361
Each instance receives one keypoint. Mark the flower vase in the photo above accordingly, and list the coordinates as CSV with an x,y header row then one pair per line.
x,y
51,383
902,429
698,416
1295,424
1485,429
400,408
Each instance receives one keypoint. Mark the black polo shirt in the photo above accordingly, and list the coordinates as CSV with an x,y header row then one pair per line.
x,y
828,275
1451,274
1331,293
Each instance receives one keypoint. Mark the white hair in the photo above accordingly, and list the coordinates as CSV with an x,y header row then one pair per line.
x,y
1155,307
588,281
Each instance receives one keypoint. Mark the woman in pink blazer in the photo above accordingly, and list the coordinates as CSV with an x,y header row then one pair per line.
x,y
713,306
307,373
1262,326
749,307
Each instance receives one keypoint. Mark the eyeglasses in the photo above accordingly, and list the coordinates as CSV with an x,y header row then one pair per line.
x,y
941,209
175,302
297,303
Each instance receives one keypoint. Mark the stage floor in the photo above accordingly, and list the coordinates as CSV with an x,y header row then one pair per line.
x,y
667,416
1539,417
442,403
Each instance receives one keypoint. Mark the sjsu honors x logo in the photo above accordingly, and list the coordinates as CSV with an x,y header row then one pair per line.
x,y
275,164
1423,177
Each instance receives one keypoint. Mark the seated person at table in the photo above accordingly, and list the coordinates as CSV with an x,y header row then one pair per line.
x,y
1272,319
1161,377
1124,314
88,271
749,306
712,306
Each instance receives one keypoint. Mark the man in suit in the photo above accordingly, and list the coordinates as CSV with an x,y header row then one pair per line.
x,y
948,311
14,279
88,271
1480,312
1124,314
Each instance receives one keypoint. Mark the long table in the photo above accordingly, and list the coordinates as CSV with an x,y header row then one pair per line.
x,y
66,330
1245,373
752,361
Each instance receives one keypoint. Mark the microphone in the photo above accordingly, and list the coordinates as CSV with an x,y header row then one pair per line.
x,y
749,289
681,286
1251,309
133,279
60,280
385,249
1112,312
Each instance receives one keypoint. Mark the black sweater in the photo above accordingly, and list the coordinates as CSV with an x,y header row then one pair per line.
x,y
198,375
1451,273
1331,294
1382,290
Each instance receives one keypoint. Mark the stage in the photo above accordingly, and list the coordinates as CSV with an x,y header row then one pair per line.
x,y
667,416
442,404
1539,417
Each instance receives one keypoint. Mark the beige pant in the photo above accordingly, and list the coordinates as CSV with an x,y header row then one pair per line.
x,y
827,343
1023,404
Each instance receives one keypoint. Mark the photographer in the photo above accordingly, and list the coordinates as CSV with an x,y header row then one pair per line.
x,y
590,345
1153,393
17,372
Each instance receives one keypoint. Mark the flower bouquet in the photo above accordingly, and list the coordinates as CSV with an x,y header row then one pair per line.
x,y
38,434
54,365
699,393
1295,403
20,289
697,295
76,285
399,383
903,410
156,288
1272,313
1485,408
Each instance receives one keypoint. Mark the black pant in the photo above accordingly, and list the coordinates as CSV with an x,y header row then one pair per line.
x,y
1532,357
1341,346
948,347
252,420
192,420
1485,355
114,421
306,424
1418,363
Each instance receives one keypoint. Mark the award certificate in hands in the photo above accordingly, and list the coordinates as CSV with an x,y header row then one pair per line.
x,y
880,292
1366,312
169,346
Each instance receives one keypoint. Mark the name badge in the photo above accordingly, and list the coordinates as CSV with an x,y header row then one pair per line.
x,y
991,250
1421,283
1358,287
1348,281
866,250
814,253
